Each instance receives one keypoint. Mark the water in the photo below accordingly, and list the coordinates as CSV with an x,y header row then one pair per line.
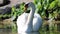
x,y
30,33
5,31
8,31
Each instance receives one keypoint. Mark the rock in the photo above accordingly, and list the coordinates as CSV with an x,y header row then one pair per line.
x,y
7,5
6,10
1,1
3,8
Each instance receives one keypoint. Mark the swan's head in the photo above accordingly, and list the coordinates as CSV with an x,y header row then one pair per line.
x,y
30,5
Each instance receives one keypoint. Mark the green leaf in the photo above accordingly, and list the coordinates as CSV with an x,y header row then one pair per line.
x,y
52,5
36,1
59,3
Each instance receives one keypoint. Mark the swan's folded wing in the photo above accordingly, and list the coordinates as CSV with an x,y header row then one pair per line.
x,y
37,22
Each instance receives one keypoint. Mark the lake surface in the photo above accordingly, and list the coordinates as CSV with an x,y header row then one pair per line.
x,y
8,31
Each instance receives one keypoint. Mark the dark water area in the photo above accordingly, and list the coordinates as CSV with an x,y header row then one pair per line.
x,y
8,31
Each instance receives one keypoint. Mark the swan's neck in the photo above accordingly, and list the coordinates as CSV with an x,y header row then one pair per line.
x,y
31,15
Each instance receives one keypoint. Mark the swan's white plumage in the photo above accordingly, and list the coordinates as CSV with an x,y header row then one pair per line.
x,y
21,21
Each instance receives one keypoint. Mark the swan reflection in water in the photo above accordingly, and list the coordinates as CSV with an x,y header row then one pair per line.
x,y
30,33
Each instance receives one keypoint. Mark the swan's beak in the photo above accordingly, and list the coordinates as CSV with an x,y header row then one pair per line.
x,y
26,6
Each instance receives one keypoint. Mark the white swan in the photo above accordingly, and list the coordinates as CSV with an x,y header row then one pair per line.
x,y
28,22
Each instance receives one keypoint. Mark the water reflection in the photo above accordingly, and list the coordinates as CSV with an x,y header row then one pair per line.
x,y
30,33
8,31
